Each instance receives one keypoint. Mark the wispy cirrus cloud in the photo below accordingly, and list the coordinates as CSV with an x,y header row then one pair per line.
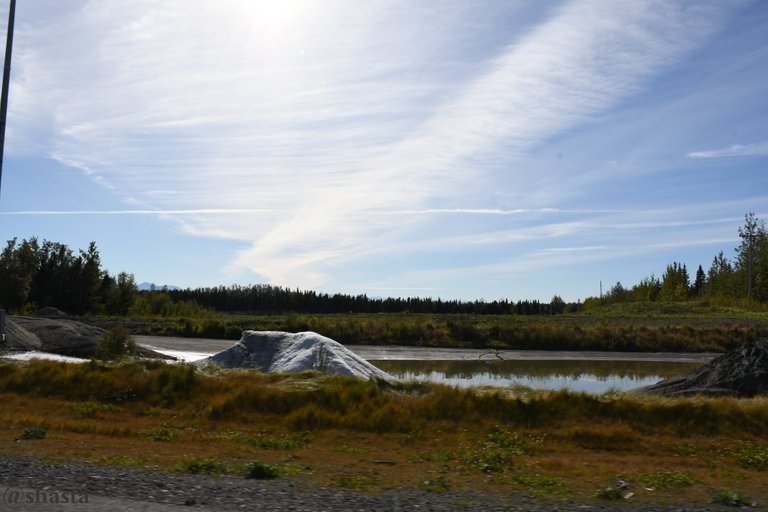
x,y
319,116
757,149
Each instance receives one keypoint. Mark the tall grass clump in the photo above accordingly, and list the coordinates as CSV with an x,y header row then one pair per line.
x,y
156,383
312,401
117,343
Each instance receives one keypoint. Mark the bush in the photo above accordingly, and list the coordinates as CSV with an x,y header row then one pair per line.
x,y
260,471
196,466
731,499
34,433
116,344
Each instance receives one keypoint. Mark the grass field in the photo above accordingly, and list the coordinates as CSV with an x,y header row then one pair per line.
x,y
368,435
643,327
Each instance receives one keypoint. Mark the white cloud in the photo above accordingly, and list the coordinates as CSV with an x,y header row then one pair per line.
x,y
758,149
325,114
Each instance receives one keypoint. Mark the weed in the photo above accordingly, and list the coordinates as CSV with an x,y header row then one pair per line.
x,y
122,460
538,482
707,453
753,456
610,493
345,448
34,433
196,466
503,438
260,471
357,482
494,454
92,409
439,484
411,436
666,479
163,434
290,468
731,499
275,443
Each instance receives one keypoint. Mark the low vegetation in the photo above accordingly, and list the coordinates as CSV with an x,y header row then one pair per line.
x,y
116,344
371,435
663,327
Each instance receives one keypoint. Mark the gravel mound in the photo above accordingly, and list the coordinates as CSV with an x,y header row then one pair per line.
x,y
742,372
285,352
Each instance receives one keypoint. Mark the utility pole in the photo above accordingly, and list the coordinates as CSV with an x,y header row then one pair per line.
x,y
3,115
6,82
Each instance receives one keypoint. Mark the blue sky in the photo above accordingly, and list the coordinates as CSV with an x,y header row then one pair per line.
x,y
469,150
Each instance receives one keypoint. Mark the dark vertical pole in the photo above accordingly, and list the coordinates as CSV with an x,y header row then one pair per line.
x,y
6,82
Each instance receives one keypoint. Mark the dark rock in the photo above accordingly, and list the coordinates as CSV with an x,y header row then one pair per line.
x,y
50,312
741,372
61,336
19,338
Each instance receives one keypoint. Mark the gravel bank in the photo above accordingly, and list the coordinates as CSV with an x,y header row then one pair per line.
x,y
126,489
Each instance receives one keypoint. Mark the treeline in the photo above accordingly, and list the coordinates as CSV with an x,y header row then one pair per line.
x,y
43,274
34,274
267,298
745,278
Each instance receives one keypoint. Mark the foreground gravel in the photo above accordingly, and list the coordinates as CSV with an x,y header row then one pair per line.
x,y
26,483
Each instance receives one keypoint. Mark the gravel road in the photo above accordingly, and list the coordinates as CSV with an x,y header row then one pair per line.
x,y
33,485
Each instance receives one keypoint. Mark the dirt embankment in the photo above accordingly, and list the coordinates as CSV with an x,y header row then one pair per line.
x,y
741,372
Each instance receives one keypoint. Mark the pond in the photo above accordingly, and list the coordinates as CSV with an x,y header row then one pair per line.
x,y
585,375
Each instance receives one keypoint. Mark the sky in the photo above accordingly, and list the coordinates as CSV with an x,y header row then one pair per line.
x,y
456,149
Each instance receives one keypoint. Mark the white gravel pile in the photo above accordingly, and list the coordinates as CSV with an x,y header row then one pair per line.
x,y
285,352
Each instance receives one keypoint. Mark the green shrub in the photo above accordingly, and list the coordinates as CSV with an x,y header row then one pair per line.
x,y
610,493
731,499
117,343
34,433
163,434
197,466
260,471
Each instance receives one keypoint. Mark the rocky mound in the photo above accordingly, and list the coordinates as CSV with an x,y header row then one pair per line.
x,y
59,336
275,351
50,312
742,372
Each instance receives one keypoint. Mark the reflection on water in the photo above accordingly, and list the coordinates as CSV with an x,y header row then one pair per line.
x,y
587,376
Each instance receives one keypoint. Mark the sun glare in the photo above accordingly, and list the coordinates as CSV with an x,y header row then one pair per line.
x,y
271,13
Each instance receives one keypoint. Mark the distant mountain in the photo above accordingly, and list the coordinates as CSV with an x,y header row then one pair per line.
x,y
145,287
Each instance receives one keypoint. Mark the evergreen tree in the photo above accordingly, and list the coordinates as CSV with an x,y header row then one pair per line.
x,y
699,282
720,278
675,283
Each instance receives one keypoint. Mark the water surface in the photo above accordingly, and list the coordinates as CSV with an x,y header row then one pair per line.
x,y
589,376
